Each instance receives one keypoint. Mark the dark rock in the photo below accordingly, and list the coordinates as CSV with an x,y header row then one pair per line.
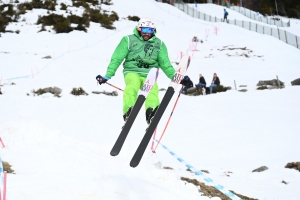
x,y
270,82
293,165
47,57
260,169
296,82
113,93
54,90
243,90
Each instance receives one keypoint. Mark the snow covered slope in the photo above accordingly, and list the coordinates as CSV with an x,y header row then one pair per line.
x,y
59,147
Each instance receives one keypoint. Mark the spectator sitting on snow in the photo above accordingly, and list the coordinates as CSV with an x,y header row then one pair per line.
x,y
187,83
225,15
201,84
215,82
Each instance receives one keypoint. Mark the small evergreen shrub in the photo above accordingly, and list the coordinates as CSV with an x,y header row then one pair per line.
x,y
63,6
133,18
78,91
7,168
107,2
262,87
60,23
38,4
220,88
39,91
93,2
80,3
84,20
6,17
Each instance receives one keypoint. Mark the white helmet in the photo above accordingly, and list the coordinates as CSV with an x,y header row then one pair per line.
x,y
145,22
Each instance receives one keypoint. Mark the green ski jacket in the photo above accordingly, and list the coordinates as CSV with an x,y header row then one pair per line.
x,y
140,56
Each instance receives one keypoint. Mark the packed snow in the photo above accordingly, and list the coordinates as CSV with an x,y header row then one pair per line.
x,y
59,147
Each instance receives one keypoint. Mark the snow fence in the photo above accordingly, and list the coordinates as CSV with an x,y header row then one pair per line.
x,y
280,34
258,17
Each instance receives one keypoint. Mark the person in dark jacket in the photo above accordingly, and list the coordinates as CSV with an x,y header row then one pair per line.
x,y
225,15
215,82
187,83
202,82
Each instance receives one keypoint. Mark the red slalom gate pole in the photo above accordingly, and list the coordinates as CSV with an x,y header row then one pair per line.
x,y
168,121
114,86
154,134
2,145
4,187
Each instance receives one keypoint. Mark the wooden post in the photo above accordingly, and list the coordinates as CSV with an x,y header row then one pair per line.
x,y
278,33
285,37
210,18
271,31
193,12
204,17
256,27
234,85
263,30
281,23
215,19
250,26
297,41
243,24
234,21
278,82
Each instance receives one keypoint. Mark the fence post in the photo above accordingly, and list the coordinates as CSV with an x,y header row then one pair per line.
x,y
210,18
193,12
271,31
234,84
234,21
285,36
256,28
281,22
278,33
278,82
215,19
204,17
297,41
263,30
243,24
250,26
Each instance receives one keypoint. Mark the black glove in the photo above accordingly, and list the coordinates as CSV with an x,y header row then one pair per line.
x,y
101,79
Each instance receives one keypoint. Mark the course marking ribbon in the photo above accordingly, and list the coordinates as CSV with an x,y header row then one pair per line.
x,y
205,178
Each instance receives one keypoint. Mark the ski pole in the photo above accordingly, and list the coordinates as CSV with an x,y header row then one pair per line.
x,y
114,86
168,120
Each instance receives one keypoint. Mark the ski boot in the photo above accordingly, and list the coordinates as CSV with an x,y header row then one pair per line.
x,y
150,112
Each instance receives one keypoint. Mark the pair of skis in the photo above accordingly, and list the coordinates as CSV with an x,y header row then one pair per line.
x,y
151,79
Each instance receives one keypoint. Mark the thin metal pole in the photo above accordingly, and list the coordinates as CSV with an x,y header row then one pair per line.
x,y
114,86
168,120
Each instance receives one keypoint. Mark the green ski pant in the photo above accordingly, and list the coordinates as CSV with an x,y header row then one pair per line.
x,y
134,83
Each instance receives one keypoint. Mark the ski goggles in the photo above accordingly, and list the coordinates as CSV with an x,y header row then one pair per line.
x,y
147,30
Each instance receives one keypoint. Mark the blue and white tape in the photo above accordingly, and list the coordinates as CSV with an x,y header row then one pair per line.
x,y
205,178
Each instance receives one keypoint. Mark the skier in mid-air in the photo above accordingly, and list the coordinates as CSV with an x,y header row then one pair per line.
x,y
142,51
